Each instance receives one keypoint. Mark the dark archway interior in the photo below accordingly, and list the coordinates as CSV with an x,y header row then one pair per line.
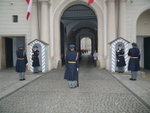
x,y
9,52
77,22
147,53
11,46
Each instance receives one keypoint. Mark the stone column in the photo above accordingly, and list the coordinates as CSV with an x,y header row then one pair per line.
x,y
2,53
45,28
34,22
122,18
111,20
44,36
111,29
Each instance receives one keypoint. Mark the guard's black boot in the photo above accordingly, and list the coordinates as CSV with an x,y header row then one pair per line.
x,y
131,79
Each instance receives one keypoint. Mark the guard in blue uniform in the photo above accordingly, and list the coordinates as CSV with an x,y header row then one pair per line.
x,y
71,73
120,59
21,62
35,59
134,65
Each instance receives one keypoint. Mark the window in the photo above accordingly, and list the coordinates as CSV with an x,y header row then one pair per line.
x,y
15,18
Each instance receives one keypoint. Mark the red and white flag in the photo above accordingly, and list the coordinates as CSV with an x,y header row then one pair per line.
x,y
29,2
90,2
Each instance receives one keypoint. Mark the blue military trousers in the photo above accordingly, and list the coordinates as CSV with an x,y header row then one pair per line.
x,y
134,74
36,69
72,84
22,75
121,69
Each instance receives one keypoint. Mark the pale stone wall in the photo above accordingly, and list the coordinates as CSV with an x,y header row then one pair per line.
x,y
134,9
8,28
56,3
138,27
54,10
2,53
9,8
143,24
140,42
98,6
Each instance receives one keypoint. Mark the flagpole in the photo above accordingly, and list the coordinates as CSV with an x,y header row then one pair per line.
x,y
118,18
38,20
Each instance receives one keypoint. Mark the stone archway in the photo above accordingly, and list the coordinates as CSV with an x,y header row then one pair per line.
x,y
135,19
143,38
74,27
86,33
97,8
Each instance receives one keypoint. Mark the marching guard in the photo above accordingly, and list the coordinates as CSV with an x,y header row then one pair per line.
x,y
21,62
134,65
72,65
35,59
120,59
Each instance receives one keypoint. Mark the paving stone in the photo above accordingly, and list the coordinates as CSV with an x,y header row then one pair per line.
x,y
99,92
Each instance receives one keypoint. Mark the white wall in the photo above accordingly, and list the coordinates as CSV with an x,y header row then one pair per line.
x,y
10,29
19,8
134,9
23,27
143,24
9,8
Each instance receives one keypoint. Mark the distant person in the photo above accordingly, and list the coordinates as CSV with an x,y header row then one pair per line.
x,y
95,57
35,58
71,73
120,59
134,65
21,62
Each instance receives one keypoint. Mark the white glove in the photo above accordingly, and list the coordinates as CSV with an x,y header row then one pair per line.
x,y
77,69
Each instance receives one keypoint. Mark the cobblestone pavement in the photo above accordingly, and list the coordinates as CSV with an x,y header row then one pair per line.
x,y
9,81
99,92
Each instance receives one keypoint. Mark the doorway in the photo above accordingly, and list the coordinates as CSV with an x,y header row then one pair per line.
x,y
147,53
9,52
74,27
86,45
10,48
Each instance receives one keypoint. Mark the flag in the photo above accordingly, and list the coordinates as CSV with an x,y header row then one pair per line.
x,y
29,2
90,2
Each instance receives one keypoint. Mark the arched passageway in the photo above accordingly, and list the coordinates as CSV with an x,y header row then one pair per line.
x,y
143,38
77,22
86,44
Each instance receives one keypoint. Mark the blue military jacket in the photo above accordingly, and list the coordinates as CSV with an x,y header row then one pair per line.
x,y
35,59
120,58
134,64
21,61
72,64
